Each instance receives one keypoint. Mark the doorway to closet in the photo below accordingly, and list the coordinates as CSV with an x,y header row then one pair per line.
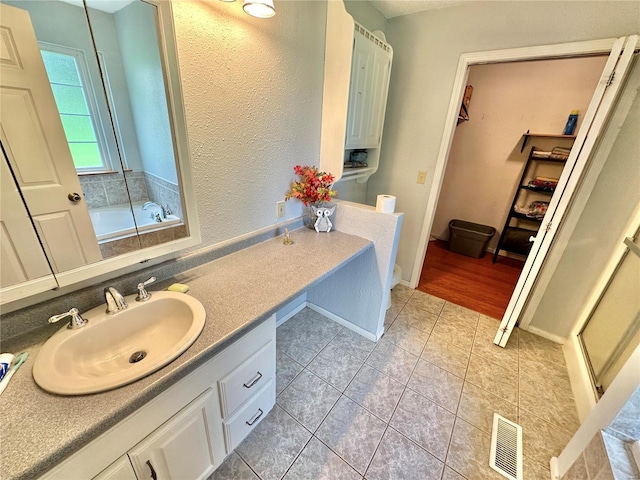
x,y
485,164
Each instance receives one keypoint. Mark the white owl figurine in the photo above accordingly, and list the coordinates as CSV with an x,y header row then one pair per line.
x,y
323,223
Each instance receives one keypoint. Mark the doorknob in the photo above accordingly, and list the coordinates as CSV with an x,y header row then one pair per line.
x,y
74,197
532,238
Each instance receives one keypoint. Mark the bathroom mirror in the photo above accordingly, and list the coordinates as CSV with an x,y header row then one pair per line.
x,y
96,138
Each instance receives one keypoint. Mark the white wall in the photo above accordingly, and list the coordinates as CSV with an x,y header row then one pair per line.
x,y
253,95
136,30
607,212
485,162
427,47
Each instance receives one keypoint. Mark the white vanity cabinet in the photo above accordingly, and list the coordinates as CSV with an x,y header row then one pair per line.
x,y
370,72
188,430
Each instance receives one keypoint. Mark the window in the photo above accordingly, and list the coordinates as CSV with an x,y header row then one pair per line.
x,y
75,100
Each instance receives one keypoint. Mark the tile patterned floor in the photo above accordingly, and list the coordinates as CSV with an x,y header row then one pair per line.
x,y
418,404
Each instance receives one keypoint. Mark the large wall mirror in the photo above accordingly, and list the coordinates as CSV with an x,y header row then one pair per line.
x,y
93,139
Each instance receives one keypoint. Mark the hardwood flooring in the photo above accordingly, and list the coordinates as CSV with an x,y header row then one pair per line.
x,y
475,283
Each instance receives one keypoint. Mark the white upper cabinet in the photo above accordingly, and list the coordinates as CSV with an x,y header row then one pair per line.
x,y
370,71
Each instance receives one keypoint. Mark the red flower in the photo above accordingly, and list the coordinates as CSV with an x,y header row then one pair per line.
x,y
313,186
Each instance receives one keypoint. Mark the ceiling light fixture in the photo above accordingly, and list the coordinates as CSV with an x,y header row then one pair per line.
x,y
259,8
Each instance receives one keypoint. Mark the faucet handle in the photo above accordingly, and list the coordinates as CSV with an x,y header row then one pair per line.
x,y
76,319
143,295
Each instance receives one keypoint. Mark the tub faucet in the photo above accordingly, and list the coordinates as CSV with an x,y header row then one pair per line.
x,y
149,204
115,300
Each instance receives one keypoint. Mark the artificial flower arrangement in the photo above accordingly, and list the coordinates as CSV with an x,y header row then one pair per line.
x,y
313,188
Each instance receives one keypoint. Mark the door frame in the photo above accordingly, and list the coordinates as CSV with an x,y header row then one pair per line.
x,y
544,52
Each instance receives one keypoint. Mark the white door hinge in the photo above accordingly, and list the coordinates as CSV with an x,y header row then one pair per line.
x,y
548,227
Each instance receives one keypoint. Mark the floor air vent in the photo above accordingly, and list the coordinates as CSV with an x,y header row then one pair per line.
x,y
506,448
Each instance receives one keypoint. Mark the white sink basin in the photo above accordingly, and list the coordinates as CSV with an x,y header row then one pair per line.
x,y
99,356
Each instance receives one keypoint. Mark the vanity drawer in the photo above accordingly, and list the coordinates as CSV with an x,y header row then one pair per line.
x,y
240,425
246,380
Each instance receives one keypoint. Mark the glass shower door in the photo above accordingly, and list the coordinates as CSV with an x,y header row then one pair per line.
x,y
612,331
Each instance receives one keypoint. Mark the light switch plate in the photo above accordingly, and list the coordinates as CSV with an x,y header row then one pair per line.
x,y
422,177
280,209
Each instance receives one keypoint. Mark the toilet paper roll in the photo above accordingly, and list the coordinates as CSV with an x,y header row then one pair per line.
x,y
386,204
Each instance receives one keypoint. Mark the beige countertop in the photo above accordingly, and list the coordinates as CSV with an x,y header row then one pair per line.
x,y
239,291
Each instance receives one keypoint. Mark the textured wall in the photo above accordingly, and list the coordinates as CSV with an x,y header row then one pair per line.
x,y
253,94
427,47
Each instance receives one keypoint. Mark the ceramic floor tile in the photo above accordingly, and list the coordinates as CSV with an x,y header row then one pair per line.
x,y
485,321
437,385
308,399
286,370
483,345
233,468
317,462
406,337
389,318
554,377
477,407
577,471
393,361
469,452
375,391
461,314
402,293
319,325
424,422
399,458
534,471
300,345
355,344
493,378
540,439
446,356
595,455
450,474
352,432
555,407
456,336
335,366
427,302
269,459
534,347
417,318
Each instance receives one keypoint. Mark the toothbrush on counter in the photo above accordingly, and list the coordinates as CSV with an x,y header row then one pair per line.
x,y
17,362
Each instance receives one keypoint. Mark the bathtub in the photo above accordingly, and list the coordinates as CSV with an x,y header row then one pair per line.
x,y
111,223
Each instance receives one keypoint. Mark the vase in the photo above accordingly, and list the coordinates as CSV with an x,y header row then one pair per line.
x,y
308,216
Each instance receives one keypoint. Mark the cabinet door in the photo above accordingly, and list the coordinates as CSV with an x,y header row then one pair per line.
x,y
377,98
121,469
359,90
182,447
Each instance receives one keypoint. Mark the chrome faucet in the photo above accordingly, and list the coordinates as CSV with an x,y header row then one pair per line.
x,y
76,319
165,210
115,300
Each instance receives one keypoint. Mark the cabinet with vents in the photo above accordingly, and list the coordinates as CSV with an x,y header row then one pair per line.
x,y
368,90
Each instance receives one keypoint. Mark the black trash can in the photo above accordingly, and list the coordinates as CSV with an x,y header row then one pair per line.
x,y
470,239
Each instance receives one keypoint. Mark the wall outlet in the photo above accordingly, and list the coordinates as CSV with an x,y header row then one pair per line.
x,y
280,209
422,177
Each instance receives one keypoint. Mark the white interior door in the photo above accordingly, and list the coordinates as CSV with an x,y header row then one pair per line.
x,y
21,255
36,147
611,80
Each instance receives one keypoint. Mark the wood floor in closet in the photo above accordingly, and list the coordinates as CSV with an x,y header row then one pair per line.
x,y
475,283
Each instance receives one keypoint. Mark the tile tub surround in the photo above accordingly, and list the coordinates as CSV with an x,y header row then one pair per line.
x,y
108,189
392,411
234,306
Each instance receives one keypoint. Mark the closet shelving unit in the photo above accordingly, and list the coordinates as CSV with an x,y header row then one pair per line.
x,y
519,227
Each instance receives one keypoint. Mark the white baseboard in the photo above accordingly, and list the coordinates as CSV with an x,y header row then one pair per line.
x,y
553,467
405,283
343,322
290,314
547,335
